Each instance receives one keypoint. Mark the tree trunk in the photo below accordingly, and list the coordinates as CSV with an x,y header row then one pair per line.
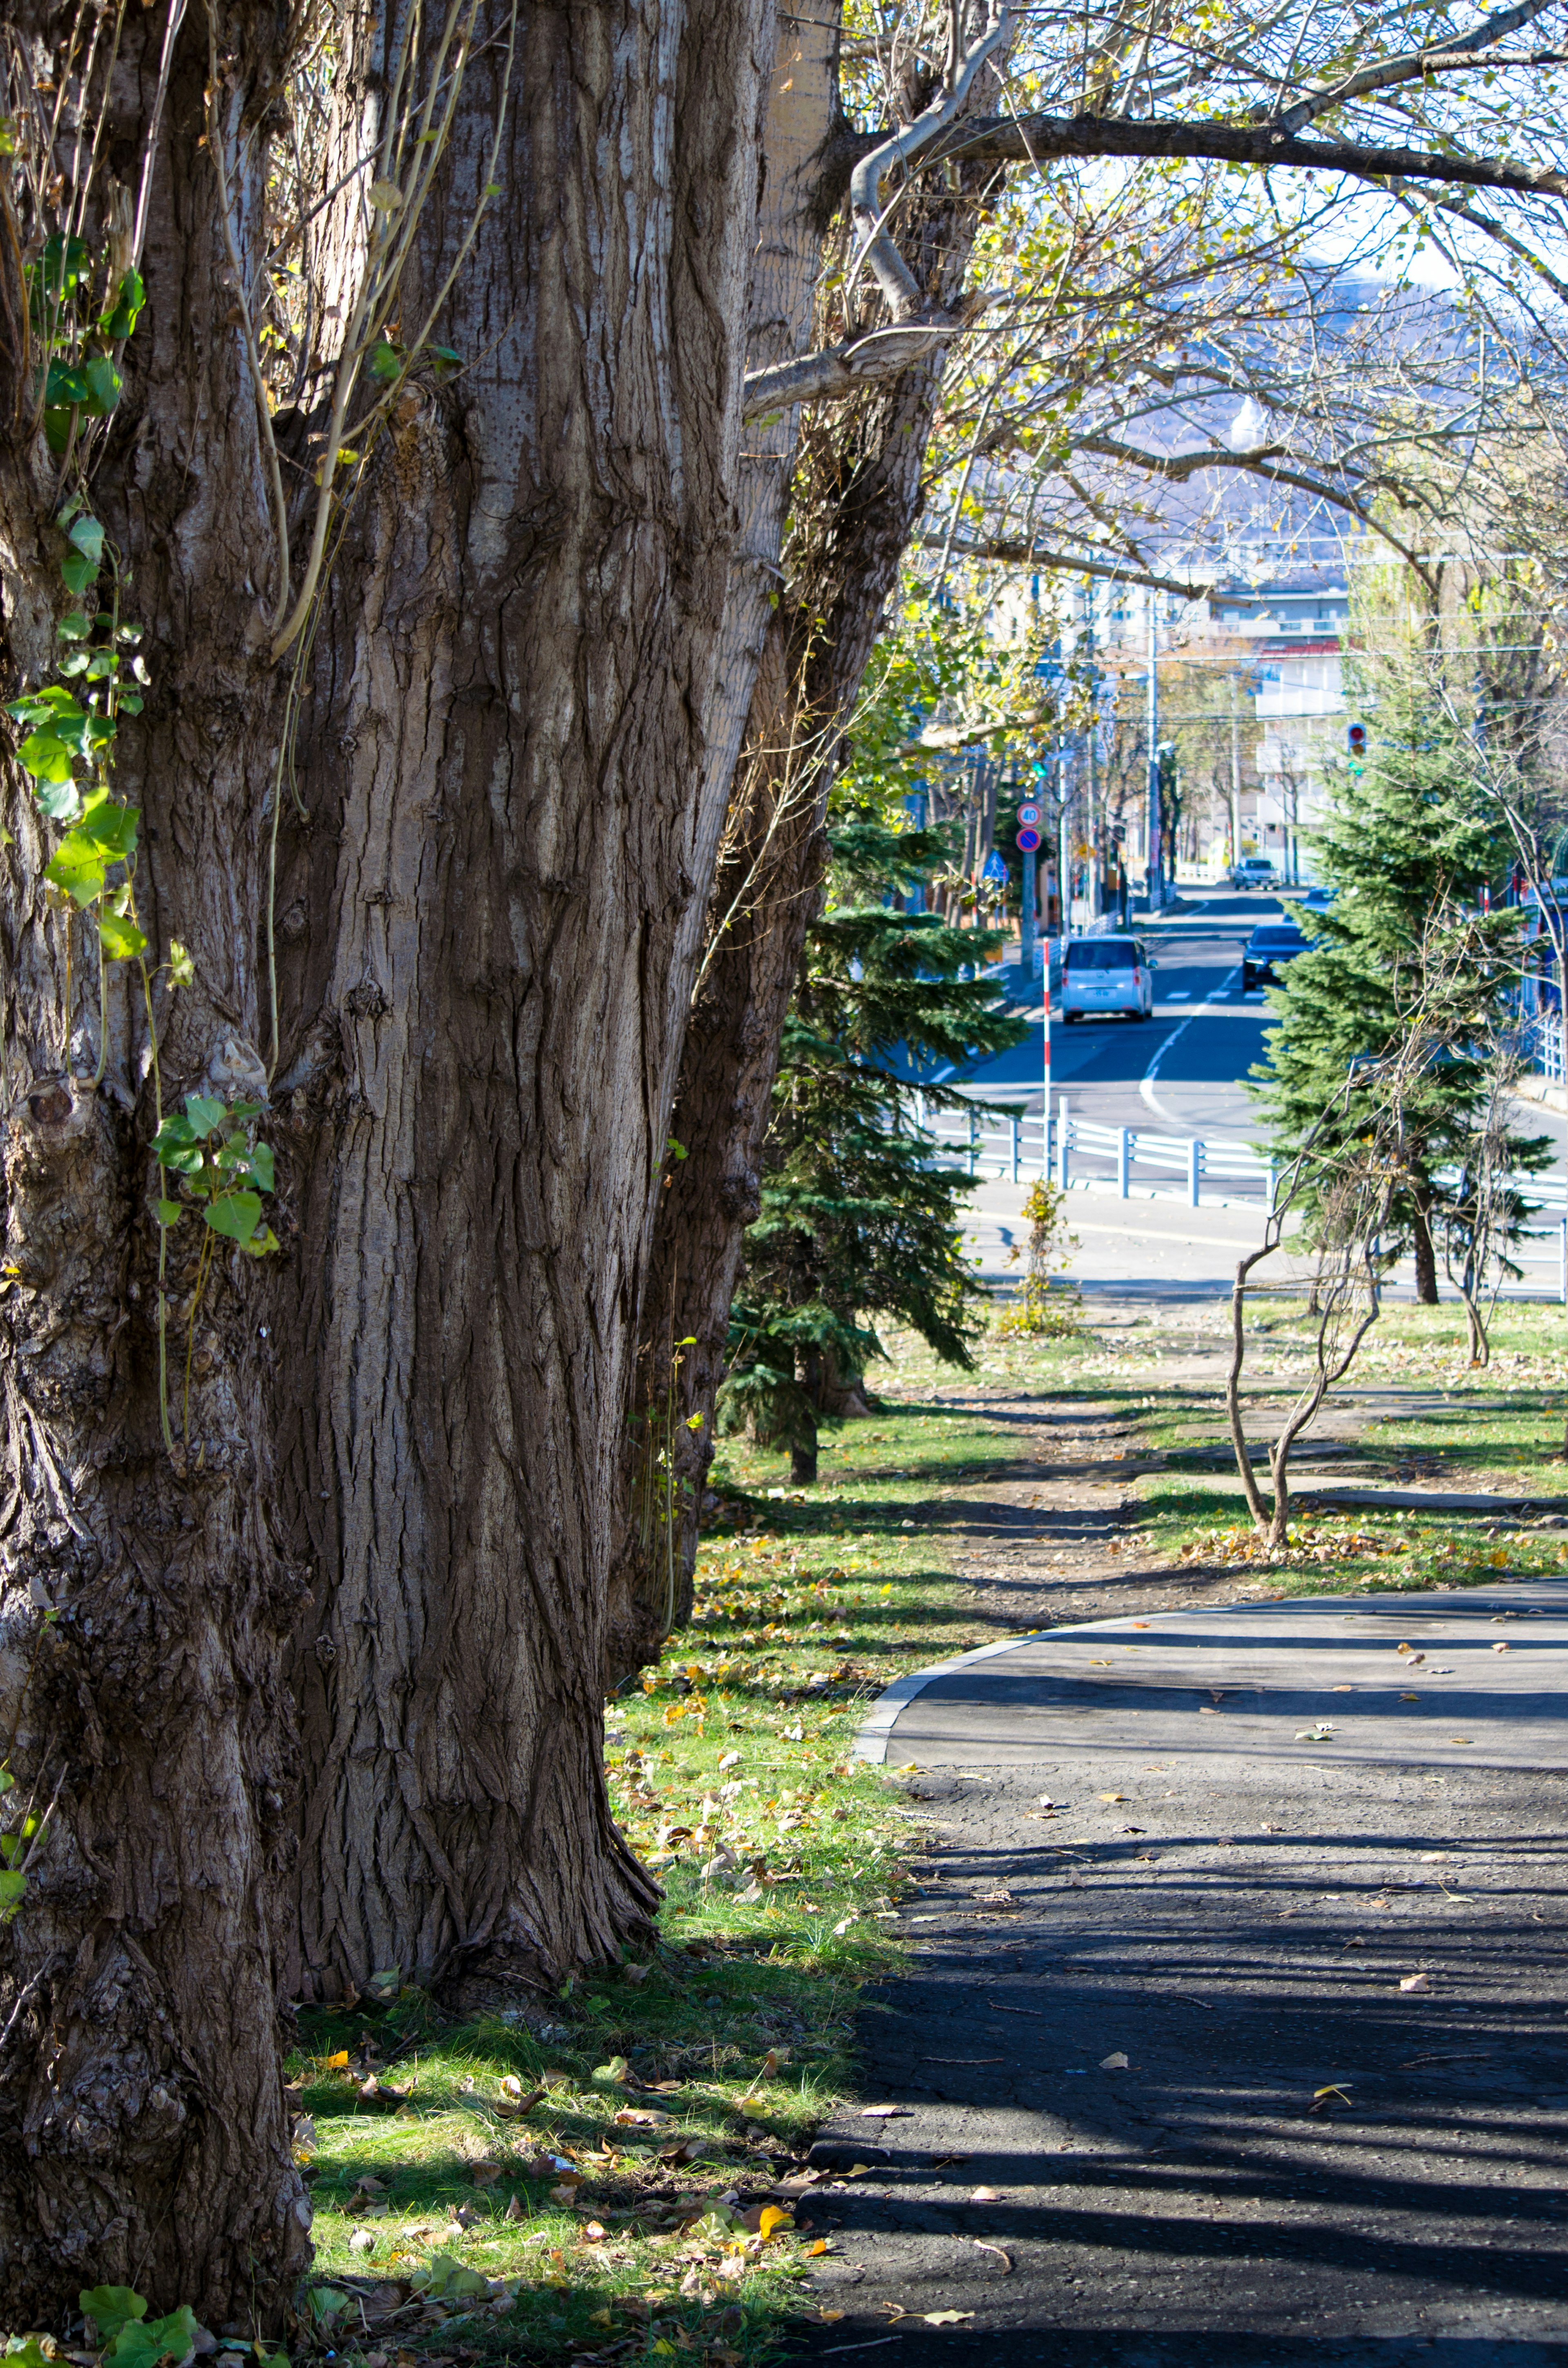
x,y
483,920
403,1440
1425,1253
854,501
144,2130
678,1374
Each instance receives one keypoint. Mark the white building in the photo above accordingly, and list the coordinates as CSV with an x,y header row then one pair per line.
x,y
1296,635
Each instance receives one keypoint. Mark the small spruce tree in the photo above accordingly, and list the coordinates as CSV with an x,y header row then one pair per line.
x,y
858,1219
1408,843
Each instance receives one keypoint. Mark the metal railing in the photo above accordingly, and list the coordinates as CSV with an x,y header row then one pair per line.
x,y
1079,1153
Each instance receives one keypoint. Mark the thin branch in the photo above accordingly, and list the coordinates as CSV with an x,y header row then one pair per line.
x,y
1041,139
892,275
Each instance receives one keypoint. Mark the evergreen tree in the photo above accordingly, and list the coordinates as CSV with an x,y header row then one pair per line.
x,y
1408,846
856,1218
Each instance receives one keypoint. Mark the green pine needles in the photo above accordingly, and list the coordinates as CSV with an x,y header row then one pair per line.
x,y
859,1219
1407,996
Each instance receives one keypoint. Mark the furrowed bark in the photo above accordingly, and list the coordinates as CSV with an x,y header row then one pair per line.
x,y
144,1602
855,502
482,929
645,1578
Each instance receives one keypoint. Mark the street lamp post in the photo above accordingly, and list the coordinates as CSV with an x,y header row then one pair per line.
x,y
1156,853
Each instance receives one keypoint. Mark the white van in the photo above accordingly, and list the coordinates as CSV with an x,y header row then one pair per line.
x,y
1103,977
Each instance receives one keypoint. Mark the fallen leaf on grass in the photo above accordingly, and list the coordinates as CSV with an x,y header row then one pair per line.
x,y
820,2247
486,2174
1414,1981
986,2195
515,2100
1113,1796
639,2117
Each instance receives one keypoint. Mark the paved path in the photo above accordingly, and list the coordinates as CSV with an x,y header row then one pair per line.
x,y
1162,2100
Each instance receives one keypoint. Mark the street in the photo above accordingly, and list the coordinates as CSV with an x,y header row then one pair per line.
x,y
1182,1072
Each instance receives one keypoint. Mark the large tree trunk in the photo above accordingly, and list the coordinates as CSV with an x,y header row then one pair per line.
x,y
403,1433
649,1578
143,2132
483,922
856,497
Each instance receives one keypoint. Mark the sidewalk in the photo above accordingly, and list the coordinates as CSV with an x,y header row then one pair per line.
x,y
1220,2046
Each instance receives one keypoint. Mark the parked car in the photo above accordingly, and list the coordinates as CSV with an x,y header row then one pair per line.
x,y
1104,976
1317,900
1253,871
1271,945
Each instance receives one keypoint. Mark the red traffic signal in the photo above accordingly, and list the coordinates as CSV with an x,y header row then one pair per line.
x,y
1356,739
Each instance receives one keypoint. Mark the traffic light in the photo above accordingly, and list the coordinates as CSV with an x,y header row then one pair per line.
x,y
1356,739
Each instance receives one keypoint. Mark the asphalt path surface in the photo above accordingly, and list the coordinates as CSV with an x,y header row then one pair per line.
x,y
1220,2043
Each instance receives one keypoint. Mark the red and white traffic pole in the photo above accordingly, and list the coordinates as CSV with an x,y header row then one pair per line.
x,y
1045,1033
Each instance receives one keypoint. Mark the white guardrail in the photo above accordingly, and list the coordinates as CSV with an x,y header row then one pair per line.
x,y
1080,1155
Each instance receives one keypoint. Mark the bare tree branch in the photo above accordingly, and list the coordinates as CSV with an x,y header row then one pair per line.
x,y
1041,139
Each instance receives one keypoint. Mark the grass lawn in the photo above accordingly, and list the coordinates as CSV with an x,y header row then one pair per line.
x,y
600,2181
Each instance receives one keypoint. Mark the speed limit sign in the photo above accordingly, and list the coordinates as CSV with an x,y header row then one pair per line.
x,y
1029,816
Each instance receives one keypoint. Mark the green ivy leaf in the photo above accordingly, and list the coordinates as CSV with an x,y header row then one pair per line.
x,y
121,939
182,970
234,1214
121,322
386,362
175,1133
78,572
261,1167
114,828
13,1890
205,1111
45,756
169,1212
59,800
142,2343
87,534
109,2307
76,868
64,386
104,384
73,629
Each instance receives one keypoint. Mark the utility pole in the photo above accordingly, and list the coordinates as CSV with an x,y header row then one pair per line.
x,y
1063,842
1156,852
1235,773
1091,787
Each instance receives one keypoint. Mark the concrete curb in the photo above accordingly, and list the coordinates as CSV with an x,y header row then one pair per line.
x,y
876,1729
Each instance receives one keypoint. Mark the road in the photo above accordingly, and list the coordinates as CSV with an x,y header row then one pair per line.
x,y
1183,1073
